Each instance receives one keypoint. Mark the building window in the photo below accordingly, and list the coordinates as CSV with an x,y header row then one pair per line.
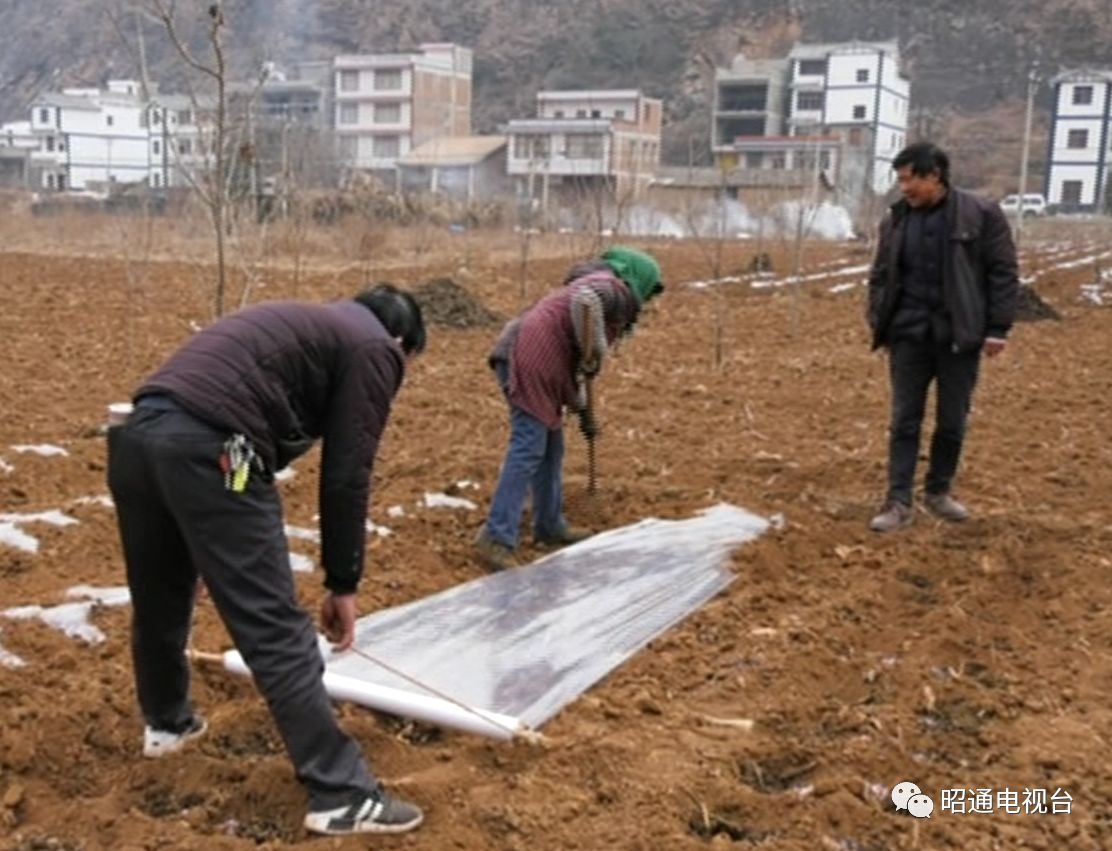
x,y
559,113
156,180
349,113
581,113
44,116
185,147
778,161
386,146
50,181
862,75
824,160
530,147
619,114
812,67
1077,139
156,116
810,101
735,97
48,143
1071,191
388,79
388,113
109,120
1082,95
349,81
859,111
156,147
60,182
595,113
583,146
185,116
753,159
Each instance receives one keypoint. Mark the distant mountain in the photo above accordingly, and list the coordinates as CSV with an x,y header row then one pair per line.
x,y
968,62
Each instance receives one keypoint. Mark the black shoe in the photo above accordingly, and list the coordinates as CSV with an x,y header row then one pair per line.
x,y
565,537
378,812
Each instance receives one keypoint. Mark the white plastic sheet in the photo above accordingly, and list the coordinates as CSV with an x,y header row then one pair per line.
x,y
524,643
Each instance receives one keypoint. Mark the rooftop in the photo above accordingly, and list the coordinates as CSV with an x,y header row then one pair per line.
x,y
453,150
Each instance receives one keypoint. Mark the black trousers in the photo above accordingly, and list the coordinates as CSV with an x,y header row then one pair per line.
x,y
177,521
912,366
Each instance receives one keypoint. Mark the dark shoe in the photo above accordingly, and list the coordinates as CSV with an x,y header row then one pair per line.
x,y
945,507
565,537
379,812
494,555
158,743
895,515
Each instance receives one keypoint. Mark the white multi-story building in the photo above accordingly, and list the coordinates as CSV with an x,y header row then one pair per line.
x,y
17,143
388,104
180,139
840,108
608,138
1080,144
92,138
89,136
858,92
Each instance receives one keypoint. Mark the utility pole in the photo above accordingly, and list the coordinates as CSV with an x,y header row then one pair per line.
x,y
1032,83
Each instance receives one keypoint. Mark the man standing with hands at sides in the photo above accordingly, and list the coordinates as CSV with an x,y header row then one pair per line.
x,y
942,290
192,476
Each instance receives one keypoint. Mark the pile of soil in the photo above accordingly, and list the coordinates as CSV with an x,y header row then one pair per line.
x,y
1031,308
446,303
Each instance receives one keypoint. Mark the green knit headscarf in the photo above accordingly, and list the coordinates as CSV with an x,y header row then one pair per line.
x,y
637,269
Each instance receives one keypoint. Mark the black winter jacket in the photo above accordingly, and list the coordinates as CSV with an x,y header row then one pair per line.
x,y
285,374
980,281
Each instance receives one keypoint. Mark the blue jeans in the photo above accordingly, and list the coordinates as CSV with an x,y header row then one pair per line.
x,y
534,460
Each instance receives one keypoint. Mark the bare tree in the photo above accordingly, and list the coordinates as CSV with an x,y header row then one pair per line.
x,y
215,190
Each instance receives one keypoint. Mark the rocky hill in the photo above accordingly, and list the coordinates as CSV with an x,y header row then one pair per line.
x,y
968,62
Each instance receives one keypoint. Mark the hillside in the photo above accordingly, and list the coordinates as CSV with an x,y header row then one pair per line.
x,y
968,65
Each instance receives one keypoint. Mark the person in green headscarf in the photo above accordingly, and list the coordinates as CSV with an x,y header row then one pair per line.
x,y
539,361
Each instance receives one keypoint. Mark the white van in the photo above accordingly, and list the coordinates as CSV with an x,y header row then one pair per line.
x,y
1033,205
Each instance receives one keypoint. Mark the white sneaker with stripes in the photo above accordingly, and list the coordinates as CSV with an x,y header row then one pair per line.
x,y
158,743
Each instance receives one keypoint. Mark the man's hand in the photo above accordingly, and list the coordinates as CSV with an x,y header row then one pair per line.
x,y
337,619
994,346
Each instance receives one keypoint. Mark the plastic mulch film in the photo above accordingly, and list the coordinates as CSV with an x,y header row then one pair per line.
x,y
520,645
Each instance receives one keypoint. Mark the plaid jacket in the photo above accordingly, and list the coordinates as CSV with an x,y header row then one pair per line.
x,y
541,348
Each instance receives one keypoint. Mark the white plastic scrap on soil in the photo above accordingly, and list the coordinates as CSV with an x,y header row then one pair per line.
x,y
301,533
301,563
9,659
442,500
5,467
12,533
73,618
46,450
101,499
374,529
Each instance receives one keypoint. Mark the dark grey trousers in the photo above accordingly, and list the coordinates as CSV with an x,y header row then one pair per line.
x,y
176,521
912,366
